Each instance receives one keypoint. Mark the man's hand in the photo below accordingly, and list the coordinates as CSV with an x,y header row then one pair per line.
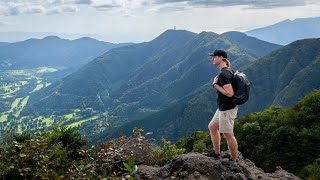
x,y
215,80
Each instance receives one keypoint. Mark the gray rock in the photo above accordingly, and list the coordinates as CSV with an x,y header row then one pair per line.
x,y
148,172
200,167
164,172
183,174
282,175
196,175
241,176
197,162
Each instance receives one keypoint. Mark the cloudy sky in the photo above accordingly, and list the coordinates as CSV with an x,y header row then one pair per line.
x,y
143,20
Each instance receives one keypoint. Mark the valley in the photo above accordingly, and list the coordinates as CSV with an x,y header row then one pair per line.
x,y
16,88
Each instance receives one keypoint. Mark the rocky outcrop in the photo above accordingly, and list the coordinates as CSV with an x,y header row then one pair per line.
x,y
198,166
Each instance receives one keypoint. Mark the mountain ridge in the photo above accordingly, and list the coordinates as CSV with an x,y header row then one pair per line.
x,y
252,44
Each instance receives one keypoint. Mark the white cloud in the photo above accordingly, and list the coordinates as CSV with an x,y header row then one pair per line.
x,y
130,7
62,9
106,7
250,3
169,7
129,16
83,2
18,7
160,6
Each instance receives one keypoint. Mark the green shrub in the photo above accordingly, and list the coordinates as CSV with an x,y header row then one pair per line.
x,y
165,154
40,155
311,171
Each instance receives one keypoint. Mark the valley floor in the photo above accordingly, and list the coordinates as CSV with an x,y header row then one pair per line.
x,y
15,89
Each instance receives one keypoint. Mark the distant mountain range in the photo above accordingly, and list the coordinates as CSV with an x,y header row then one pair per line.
x,y
52,51
133,81
3,43
16,36
282,78
288,31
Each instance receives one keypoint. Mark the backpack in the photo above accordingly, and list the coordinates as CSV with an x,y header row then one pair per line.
x,y
241,87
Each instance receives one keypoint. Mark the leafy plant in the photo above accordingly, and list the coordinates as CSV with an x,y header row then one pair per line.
x,y
312,171
131,167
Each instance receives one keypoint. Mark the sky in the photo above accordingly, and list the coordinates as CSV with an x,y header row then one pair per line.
x,y
143,20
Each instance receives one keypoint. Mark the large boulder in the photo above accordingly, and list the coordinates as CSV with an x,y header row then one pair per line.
x,y
198,166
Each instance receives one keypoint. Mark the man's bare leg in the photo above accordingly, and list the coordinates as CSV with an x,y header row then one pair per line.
x,y
215,136
232,145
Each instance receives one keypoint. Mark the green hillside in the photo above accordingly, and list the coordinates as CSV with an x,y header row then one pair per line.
x,y
285,75
253,45
134,81
273,78
182,118
180,72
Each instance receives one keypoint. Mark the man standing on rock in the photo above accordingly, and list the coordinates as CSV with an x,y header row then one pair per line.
x,y
223,119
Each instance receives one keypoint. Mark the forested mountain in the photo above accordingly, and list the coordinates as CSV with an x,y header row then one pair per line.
x,y
53,51
253,45
141,78
280,78
285,76
288,31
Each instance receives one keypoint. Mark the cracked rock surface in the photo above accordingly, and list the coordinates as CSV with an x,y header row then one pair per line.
x,y
198,166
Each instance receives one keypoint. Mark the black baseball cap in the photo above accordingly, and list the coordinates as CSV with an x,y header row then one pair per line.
x,y
219,52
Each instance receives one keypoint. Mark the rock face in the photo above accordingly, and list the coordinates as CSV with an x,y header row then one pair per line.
x,y
198,166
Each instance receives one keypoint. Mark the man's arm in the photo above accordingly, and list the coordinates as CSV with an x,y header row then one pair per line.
x,y
226,89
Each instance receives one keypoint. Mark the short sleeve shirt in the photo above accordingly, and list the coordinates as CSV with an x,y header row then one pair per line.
x,y
224,102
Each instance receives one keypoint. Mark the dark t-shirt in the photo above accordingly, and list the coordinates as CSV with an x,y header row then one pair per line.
x,y
224,102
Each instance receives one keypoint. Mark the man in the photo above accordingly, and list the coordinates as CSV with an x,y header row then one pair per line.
x,y
223,119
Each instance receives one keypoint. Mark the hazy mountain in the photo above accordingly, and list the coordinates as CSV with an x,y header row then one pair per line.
x,y
280,78
136,79
252,44
16,36
53,51
288,31
3,43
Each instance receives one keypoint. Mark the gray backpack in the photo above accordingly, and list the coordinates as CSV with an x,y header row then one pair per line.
x,y
241,87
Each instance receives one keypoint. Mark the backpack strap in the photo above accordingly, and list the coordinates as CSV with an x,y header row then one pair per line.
x,y
232,75
229,70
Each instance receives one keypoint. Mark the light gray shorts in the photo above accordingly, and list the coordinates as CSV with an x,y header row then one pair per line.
x,y
225,119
